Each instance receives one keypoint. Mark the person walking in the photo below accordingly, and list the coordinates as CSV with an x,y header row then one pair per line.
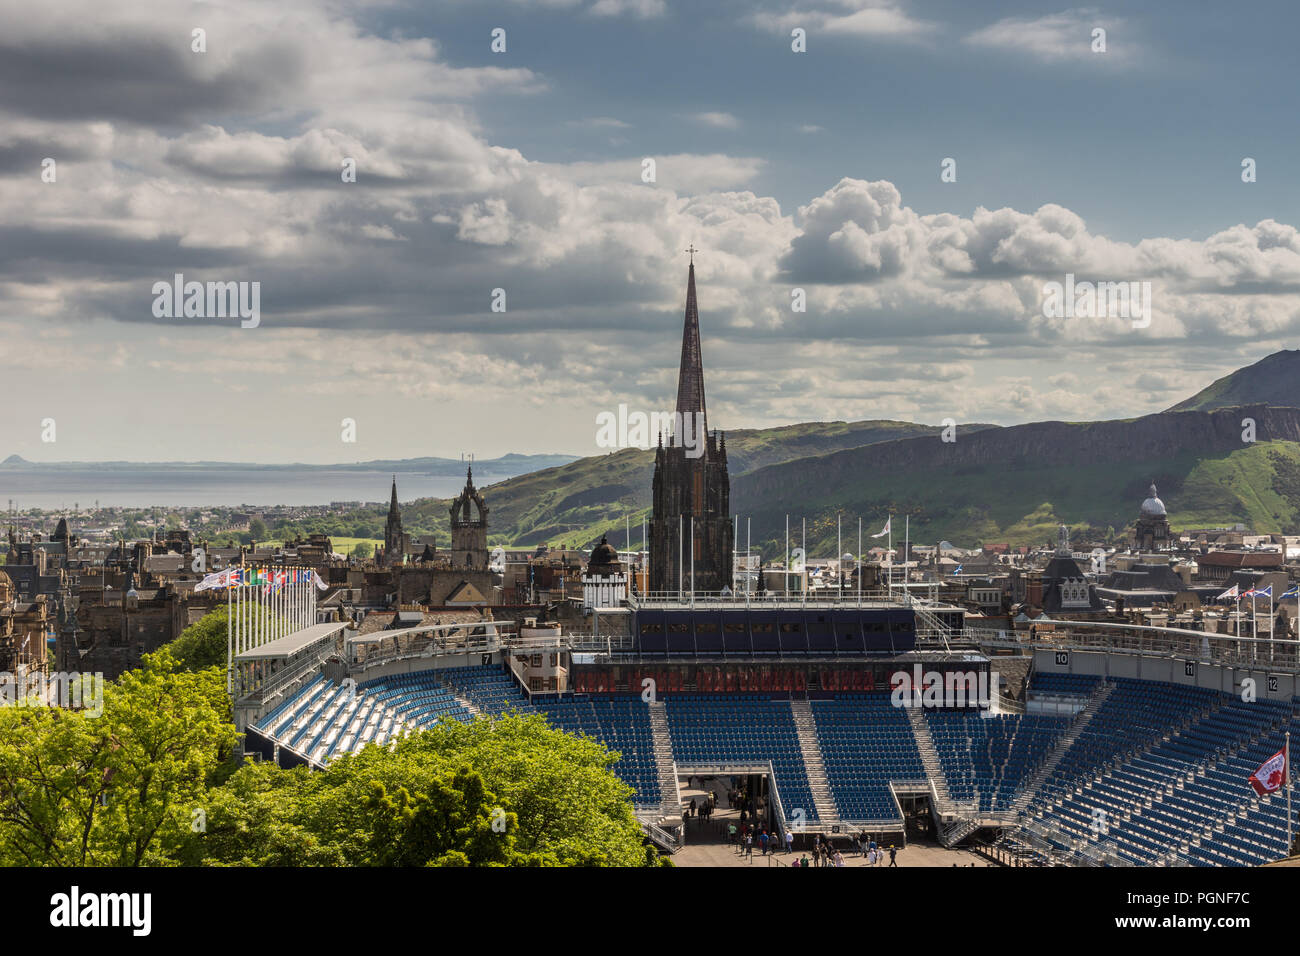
x,y
893,854
839,858
731,833
749,847
789,842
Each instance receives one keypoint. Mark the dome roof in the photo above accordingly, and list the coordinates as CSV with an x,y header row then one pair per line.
x,y
1153,506
604,553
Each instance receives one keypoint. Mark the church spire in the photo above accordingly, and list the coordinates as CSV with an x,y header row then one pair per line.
x,y
690,379
392,503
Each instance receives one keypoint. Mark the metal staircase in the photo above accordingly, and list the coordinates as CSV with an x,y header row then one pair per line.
x,y
670,800
1045,769
827,814
943,807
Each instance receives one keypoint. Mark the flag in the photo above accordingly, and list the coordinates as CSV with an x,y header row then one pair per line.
x,y
218,579
316,580
1232,593
958,569
885,530
1293,591
1271,775
1265,592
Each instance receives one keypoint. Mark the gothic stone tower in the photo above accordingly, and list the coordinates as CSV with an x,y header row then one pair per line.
x,y
691,512
395,540
469,530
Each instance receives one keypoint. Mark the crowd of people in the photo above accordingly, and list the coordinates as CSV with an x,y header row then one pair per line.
x,y
747,831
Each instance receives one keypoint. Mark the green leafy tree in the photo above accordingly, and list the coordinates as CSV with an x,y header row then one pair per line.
x,y
432,800
204,643
363,549
120,788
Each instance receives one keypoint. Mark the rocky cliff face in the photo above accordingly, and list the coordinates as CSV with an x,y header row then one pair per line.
x,y
1163,435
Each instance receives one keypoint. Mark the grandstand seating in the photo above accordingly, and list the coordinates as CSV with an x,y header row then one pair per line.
x,y
988,757
1168,764
865,742
742,728
622,724
1165,766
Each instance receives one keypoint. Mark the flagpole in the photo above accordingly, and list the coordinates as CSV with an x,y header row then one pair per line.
x,y
1270,627
907,553
889,524
692,560
839,557
803,546
1286,768
681,552
857,561
230,636
787,556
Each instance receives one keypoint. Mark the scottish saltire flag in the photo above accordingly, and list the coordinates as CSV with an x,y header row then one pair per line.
x,y
1232,592
1260,592
1271,775
889,523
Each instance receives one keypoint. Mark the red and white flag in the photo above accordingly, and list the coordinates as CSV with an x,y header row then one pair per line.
x,y
889,523
1271,775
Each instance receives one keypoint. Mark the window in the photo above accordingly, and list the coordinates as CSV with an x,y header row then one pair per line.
x,y
652,628
706,627
790,628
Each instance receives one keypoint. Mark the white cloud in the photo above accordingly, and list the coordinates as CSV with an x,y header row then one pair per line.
x,y
879,19
717,120
1056,37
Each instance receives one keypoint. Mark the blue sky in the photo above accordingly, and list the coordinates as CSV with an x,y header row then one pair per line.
x,y
1145,139
815,171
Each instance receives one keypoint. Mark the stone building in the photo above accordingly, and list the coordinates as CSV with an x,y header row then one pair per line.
x,y
690,525
1152,530
395,539
605,583
469,526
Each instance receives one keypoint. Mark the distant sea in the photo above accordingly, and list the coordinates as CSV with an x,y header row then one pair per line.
x,y
139,487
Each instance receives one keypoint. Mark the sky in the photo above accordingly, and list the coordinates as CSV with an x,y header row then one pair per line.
x,y
817,173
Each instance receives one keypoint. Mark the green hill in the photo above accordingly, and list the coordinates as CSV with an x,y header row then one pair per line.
x,y
1017,484
1273,380
578,502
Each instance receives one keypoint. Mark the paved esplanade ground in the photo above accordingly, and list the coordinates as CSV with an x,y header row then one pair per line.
x,y
706,845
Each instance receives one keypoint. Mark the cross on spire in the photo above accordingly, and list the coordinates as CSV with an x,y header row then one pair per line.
x,y
692,250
